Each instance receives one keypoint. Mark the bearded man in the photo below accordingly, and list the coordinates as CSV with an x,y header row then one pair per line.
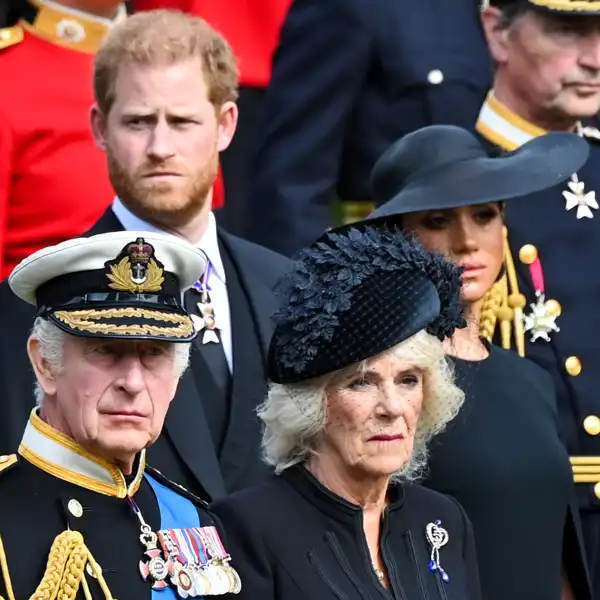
x,y
165,87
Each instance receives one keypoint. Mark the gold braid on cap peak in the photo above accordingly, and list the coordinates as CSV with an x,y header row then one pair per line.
x,y
65,570
504,303
572,6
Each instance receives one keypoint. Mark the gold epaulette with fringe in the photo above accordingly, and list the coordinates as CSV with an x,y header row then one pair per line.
x,y
11,36
65,570
503,306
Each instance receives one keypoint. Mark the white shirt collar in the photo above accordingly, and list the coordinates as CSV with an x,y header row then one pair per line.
x,y
503,127
209,243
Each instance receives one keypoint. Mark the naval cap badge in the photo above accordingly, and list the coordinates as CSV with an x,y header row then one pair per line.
x,y
136,269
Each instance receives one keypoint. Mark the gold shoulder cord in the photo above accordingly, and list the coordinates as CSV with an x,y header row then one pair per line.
x,y
65,570
504,303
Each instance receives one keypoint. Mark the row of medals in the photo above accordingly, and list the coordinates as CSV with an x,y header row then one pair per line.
x,y
216,577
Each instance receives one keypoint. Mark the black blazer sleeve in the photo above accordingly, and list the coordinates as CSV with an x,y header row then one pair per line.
x,y
248,554
318,71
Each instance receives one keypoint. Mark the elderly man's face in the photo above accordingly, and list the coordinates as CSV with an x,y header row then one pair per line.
x,y
550,62
112,396
372,418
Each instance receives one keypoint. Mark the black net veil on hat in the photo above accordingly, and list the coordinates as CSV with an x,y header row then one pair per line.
x,y
355,293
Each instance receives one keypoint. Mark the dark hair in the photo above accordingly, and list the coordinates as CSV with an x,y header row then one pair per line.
x,y
511,13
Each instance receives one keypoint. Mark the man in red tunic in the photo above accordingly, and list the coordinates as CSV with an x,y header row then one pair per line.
x,y
53,179
252,28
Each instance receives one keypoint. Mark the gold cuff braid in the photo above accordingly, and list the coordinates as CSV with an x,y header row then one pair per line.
x,y
504,304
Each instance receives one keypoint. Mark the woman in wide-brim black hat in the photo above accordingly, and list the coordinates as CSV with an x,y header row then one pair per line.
x,y
502,458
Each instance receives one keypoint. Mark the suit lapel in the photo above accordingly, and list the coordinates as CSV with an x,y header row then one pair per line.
x,y
188,431
107,223
263,302
248,301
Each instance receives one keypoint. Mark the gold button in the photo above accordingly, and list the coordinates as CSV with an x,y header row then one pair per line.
x,y
597,490
591,425
554,308
435,77
4,459
573,366
528,254
75,508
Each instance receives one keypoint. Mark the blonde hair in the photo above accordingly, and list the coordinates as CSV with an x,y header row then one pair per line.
x,y
160,38
294,415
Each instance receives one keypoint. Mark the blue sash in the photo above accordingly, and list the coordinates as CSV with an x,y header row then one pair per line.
x,y
176,512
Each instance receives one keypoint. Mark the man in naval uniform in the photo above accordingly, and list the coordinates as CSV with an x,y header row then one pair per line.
x,y
81,514
547,78
165,88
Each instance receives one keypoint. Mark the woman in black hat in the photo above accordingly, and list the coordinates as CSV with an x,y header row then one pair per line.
x,y
501,458
360,386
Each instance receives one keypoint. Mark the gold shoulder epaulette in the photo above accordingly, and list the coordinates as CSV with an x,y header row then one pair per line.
x,y
591,133
11,36
503,305
8,461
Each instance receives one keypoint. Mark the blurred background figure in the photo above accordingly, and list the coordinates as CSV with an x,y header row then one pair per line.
x,y
53,179
348,81
252,29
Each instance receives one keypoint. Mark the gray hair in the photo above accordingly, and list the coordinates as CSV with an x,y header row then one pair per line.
x,y
294,414
51,343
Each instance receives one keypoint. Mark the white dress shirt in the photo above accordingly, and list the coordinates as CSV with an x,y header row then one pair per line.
x,y
209,244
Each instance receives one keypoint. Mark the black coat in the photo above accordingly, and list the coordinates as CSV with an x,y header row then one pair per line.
x,y
350,77
502,458
35,508
568,249
293,539
185,452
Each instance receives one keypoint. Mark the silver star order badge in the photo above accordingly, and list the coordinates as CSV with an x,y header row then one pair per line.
x,y
578,197
539,321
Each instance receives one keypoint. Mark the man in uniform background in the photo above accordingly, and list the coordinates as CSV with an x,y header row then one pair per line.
x,y
53,179
547,56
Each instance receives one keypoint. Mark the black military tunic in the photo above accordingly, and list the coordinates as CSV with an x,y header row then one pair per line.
x,y
554,239
66,522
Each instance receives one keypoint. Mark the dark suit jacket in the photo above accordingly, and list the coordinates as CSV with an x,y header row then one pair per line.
x,y
292,539
350,77
185,452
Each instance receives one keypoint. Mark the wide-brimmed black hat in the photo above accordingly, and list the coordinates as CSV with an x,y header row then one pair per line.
x,y
443,166
124,284
355,294
571,7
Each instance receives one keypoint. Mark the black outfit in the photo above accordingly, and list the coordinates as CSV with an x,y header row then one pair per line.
x,y
503,460
202,410
366,78
294,539
35,509
568,248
